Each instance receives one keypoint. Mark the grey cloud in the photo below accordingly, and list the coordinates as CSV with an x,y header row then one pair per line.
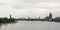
x,y
34,4
2,4
34,1
17,7
45,5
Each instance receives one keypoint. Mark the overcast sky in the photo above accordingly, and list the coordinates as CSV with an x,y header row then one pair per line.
x,y
31,8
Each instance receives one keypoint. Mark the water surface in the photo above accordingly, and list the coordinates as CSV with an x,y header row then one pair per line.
x,y
31,25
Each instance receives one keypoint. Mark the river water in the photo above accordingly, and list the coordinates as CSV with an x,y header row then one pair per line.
x,y
31,25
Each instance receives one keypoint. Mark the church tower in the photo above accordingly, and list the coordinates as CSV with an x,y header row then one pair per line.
x,y
10,16
50,17
28,17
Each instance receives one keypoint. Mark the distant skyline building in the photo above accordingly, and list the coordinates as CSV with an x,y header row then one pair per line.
x,y
10,16
50,17
28,17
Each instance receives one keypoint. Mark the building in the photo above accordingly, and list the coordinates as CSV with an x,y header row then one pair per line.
x,y
49,18
10,16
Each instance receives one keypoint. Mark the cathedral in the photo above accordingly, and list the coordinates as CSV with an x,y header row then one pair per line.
x,y
49,18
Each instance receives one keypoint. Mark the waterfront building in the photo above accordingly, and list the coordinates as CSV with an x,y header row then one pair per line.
x,y
50,17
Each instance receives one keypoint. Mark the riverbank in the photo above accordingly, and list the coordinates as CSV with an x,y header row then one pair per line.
x,y
6,20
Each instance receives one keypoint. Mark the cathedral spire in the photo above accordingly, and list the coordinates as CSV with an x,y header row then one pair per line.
x,y
50,16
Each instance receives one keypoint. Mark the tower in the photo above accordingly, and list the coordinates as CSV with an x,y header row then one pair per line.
x,y
28,17
50,17
39,18
10,16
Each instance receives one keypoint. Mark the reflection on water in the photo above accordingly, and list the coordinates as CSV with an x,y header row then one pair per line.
x,y
31,25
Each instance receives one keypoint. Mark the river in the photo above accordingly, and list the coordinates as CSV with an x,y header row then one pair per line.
x,y
31,25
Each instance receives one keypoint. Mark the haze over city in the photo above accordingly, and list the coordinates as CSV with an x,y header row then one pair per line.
x,y
31,8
